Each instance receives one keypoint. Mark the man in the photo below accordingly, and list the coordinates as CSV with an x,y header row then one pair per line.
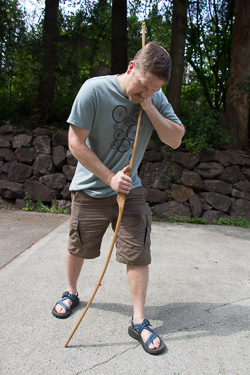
x,y
101,134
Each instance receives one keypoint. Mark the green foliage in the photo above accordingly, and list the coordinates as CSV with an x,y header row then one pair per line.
x,y
180,219
12,35
169,175
209,45
155,218
240,222
30,205
84,51
203,130
168,151
41,207
159,24
158,17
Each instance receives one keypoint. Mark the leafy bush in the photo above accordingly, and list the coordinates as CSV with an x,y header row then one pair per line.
x,y
203,131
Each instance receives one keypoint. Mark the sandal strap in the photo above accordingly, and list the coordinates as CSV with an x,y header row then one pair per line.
x,y
67,295
70,296
63,304
144,325
151,339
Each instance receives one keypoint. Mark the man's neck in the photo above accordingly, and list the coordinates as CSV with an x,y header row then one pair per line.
x,y
122,80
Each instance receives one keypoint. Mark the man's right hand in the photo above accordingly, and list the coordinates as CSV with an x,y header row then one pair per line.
x,y
121,182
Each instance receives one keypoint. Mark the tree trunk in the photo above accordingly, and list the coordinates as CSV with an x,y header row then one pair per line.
x,y
179,33
50,34
236,115
119,37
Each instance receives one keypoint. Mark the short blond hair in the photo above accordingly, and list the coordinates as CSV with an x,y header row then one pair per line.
x,y
155,59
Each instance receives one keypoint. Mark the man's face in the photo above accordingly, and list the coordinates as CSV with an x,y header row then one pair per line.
x,y
141,85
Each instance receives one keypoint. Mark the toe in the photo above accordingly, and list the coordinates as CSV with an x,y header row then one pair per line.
x,y
155,344
59,309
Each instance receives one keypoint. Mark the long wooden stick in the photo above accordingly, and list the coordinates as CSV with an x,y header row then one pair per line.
x,y
121,197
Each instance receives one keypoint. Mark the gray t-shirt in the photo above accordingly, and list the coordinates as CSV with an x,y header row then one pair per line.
x,y
102,108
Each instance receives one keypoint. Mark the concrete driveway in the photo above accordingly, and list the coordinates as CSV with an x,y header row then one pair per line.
x,y
198,302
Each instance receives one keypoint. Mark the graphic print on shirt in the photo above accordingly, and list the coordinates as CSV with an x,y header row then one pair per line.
x,y
124,137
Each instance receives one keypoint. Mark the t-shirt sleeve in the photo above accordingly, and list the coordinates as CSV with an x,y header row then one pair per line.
x,y
83,110
164,107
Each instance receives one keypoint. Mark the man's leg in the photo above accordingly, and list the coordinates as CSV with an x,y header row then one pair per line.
x,y
73,269
138,281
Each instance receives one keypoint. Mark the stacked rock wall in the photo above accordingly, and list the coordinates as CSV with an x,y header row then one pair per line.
x,y
40,166
205,186
36,166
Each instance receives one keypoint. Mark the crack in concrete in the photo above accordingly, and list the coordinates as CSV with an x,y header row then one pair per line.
x,y
108,360
226,304
188,328
209,312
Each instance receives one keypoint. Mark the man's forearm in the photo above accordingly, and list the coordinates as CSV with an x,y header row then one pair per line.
x,y
91,162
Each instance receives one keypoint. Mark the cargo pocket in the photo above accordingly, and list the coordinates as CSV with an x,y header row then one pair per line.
x,y
75,241
147,241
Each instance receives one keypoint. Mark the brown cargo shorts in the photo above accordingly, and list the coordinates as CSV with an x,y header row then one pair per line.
x,y
90,217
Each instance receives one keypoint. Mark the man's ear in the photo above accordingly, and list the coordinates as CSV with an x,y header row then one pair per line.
x,y
131,67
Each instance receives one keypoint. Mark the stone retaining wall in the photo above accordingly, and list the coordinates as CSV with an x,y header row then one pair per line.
x,y
40,165
37,166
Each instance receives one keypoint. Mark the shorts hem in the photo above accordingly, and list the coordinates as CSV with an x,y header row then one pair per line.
x,y
123,260
80,255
